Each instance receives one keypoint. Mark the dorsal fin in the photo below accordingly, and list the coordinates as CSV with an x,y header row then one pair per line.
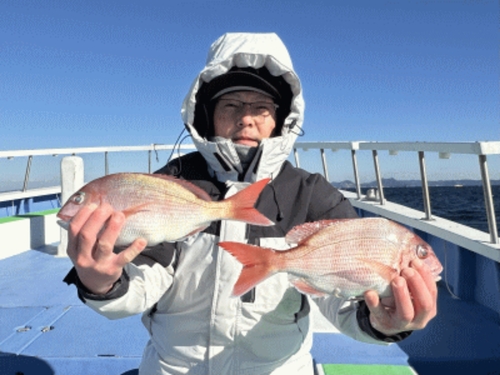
x,y
300,233
200,193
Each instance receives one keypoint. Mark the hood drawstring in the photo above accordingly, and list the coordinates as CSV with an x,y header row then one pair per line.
x,y
177,145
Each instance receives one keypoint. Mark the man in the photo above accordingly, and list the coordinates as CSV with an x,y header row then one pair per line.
x,y
243,112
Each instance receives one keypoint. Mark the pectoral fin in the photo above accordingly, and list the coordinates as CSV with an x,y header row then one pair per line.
x,y
383,270
135,209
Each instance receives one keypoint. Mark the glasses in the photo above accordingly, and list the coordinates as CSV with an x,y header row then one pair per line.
x,y
235,107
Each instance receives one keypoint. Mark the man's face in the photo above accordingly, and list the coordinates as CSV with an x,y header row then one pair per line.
x,y
245,117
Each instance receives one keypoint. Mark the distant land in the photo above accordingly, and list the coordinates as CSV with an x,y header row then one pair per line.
x,y
393,183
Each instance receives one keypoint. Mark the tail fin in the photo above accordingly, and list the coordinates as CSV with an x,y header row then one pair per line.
x,y
257,264
243,205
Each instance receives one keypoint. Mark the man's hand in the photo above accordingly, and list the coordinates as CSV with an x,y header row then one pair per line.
x,y
413,305
92,234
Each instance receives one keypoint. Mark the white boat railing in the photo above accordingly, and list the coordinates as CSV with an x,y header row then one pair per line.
x,y
29,154
480,149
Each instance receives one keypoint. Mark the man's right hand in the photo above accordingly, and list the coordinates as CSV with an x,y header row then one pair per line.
x,y
92,235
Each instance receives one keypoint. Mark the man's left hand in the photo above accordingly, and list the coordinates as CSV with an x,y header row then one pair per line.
x,y
413,305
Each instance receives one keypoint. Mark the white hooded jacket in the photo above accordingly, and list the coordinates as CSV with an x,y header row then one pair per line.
x,y
195,325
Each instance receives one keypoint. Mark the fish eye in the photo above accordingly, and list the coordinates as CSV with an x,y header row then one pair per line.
x,y
422,252
79,197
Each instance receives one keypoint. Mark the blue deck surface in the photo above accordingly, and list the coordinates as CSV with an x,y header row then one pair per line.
x,y
45,329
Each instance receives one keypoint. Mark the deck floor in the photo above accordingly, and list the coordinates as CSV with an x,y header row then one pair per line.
x,y
45,330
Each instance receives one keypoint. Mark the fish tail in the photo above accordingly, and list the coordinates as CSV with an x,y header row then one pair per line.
x,y
242,205
257,264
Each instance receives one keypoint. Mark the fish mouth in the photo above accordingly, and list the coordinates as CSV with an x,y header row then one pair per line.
x,y
63,224
436,272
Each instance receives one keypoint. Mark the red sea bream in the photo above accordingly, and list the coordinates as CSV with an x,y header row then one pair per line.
x,y
161,208
341,257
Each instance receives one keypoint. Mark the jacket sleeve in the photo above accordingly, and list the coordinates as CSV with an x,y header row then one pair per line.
x,y
352,319
349,317
140,286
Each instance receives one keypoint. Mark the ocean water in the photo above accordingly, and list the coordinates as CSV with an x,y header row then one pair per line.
x,y
464,205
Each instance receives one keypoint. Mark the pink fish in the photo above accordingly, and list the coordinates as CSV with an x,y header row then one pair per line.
x,y
340,257
162,208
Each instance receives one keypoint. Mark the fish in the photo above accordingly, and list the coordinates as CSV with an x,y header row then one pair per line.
x,y
341,257
162,208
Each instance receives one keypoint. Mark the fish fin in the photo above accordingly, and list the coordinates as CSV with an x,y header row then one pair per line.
x,y
356,298
243,204
189,234
196,231
257,264
337,293
200,193
383,270
300,233
304,287
134,210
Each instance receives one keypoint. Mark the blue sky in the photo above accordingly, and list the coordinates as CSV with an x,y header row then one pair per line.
x,y
108,73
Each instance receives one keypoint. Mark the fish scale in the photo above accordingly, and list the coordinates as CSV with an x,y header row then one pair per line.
x,y
319,267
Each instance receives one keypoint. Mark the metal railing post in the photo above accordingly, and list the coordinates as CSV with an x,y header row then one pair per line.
x,y
106,163
325,166
488,199
425,186
71,181
27,174
379,178
356,173
296,155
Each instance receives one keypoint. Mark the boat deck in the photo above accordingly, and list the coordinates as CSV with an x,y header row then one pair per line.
x,y
45,330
